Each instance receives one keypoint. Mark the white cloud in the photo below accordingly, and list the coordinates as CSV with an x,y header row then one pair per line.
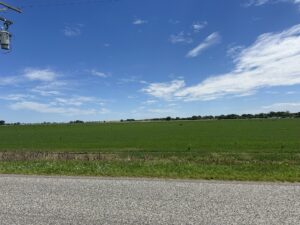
x,y
131,79
51,89
15,97
164,90
31,74
40,74
181,37
9,80
197,26
49,108
286,106
150,102
234,51
46,108
161,111
76,101
45,92
273,60
139,22
256,2
263,2
211,40
72,30
103,111
291,92
99,74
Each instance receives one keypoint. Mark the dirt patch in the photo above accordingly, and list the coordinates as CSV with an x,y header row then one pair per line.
x,y
25,156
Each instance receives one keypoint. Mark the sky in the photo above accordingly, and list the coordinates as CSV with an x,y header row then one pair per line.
x,y
118,59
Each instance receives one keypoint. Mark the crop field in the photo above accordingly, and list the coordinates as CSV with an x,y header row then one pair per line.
x,y
199,136
225,149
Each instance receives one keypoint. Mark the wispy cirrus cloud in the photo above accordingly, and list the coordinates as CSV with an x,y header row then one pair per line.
x,y
44,91
210,41
77,101
131,79
273,60
139,22
67,106
256,2
234,51
187,37
99,73
181,37
7,81
198,26
15,97
73,30
263,2
34,74
283,106
164,90
48,108
30,74
52,88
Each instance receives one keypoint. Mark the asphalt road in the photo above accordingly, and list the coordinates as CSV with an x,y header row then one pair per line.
x,y
69,200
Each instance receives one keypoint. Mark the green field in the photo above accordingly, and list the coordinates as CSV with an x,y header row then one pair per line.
x,y
200,136
226,149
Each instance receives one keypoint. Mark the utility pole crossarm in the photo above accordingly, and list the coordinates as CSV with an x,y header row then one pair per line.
x,y
5,36
10,7
8,22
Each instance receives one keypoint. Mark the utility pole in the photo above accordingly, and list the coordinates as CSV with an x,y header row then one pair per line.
x,y
5,36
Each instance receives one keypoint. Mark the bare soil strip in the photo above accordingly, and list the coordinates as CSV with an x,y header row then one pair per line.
x,y
26,156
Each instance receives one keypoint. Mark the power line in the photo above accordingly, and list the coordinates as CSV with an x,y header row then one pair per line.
x,y
10,7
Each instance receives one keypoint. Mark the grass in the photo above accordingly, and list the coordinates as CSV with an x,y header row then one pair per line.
x,y
256,150
158,169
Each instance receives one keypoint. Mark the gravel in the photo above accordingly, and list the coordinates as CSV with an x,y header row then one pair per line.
x,y
78,200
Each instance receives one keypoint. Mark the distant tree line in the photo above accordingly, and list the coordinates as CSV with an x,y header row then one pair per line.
x,y
270,115
76,122
274,115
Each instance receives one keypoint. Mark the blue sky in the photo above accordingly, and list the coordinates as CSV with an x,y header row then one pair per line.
x,y
111,60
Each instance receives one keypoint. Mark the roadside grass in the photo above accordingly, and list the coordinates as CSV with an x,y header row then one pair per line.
x,y
247,167
183,170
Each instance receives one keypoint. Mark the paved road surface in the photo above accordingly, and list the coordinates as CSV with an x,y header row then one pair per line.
x,y
53,200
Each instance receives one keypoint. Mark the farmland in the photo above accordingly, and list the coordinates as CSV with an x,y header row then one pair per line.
x,y
223,149
198,136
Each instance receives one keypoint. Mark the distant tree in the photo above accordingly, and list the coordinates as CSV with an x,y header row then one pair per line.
x,y
2,122
208,117
247,116
232,116
221,117
194,117
168,118
77,121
